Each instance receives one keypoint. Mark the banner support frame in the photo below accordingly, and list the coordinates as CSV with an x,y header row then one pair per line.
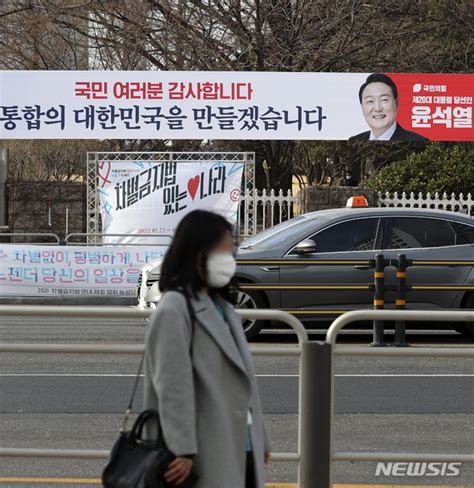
x,y
93,219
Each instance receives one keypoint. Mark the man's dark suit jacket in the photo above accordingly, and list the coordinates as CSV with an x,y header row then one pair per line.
x,y
400,134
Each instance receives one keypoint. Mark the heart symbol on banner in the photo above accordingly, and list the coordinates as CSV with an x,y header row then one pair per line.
x,y
193,185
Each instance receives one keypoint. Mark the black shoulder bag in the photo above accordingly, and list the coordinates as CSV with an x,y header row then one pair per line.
x,y
135,462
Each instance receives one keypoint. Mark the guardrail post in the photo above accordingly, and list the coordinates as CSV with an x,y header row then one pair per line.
x,y
379,302
400,325
315,416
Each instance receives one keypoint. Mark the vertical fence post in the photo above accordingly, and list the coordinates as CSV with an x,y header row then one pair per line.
x,y
379,302
401,300
315,416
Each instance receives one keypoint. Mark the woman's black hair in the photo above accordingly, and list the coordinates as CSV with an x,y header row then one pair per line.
x,y
184,264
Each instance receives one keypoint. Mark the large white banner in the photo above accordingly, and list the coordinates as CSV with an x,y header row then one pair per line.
x,y
234,105
72,271
151,197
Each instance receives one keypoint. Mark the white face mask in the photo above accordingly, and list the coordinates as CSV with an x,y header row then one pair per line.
x,y
221,268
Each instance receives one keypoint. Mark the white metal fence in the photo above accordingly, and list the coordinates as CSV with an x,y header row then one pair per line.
x,y
453,202
260,209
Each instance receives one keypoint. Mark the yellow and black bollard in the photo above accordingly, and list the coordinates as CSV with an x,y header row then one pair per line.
x,y
379,300
401,300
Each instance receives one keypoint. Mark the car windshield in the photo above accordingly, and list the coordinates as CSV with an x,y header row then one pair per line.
x,y
277,234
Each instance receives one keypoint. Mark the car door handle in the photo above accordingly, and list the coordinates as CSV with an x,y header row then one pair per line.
x,y
362,267
270,268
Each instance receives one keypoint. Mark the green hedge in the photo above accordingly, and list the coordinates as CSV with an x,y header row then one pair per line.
x,y
439,168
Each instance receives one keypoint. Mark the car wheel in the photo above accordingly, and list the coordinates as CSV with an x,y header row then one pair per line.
x,y
247,300
468,327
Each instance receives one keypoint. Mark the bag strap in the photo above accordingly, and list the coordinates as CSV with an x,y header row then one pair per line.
x,y
192,316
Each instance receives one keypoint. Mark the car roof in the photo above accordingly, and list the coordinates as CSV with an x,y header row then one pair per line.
x,y
336,213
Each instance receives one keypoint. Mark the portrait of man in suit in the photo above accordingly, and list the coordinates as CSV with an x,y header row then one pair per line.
x,y
378,98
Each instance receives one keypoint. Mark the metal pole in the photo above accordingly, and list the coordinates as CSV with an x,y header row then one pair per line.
x,y
66,232
400,339
379,302
3,186
315,416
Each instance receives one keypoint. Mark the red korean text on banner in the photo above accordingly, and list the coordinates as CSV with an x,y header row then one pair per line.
x,y
436,106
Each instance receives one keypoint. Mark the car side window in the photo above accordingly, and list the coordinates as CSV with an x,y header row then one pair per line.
x,y
413,232
465,233
353,235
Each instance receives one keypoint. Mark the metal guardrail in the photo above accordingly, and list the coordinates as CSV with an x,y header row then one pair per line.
x,y
296,287
316,392
402,457
316,444
378,287
99,454
345,262
130,312
75,235
393,315
305,262
454,262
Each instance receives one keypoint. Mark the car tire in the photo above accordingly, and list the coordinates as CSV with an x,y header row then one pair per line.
x,y
247,300
468,327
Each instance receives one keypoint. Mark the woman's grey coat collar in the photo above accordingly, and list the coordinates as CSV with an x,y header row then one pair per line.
x,y
208,316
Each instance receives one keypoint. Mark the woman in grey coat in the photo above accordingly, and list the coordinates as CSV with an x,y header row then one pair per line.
x,y
199,373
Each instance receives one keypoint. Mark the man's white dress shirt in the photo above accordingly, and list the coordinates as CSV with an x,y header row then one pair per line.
x,y
386,136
